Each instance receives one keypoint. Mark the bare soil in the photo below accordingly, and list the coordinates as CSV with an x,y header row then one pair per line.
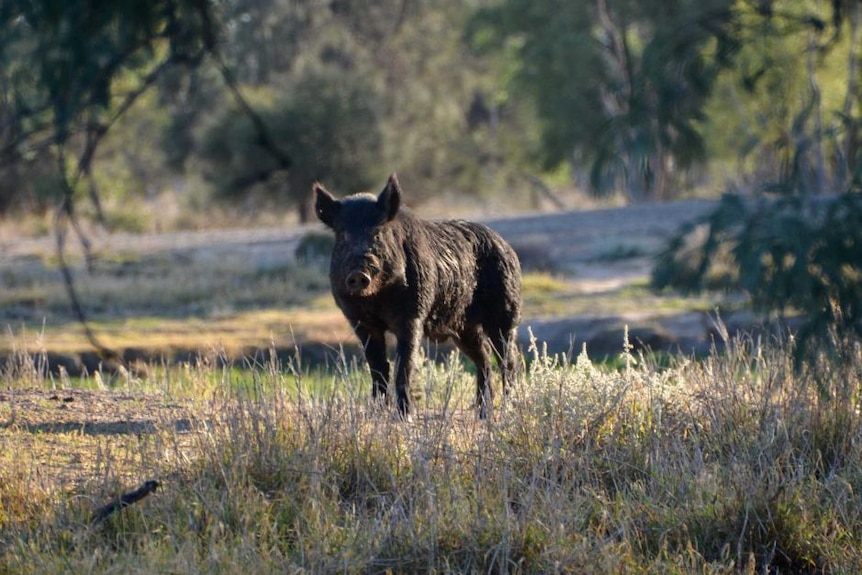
x,y
67,439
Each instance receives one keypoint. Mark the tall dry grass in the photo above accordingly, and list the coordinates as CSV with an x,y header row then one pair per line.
x,y
736,463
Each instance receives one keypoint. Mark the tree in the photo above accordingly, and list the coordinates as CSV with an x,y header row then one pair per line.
x,y
784,113
792,248
790,255
621,85
328,123
62,63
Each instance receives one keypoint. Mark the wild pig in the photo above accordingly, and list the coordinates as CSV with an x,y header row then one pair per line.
x,y
447,280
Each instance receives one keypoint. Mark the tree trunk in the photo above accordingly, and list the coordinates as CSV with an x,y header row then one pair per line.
x,y
819,183
850,146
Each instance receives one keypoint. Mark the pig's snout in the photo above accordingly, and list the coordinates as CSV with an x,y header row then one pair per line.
x,y
357,281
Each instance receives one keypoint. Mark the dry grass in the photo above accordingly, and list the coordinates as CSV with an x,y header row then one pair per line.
x,y
736,463
232,334
733,464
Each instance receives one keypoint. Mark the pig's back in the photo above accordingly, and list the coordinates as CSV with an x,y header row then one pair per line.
x,y
476,276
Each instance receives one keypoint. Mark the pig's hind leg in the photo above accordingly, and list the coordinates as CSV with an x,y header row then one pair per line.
x,y
476,346
508,356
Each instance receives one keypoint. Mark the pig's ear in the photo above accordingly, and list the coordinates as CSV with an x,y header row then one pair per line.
x,y
389,199
325,206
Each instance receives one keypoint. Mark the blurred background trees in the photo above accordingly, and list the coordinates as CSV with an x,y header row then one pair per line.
x,y
109,107
790,109
619,87
246,102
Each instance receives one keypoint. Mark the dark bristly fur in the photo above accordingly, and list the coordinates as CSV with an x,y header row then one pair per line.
x,y
452,279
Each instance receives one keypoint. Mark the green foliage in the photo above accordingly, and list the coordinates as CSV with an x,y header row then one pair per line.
x,y
780,113
548,49
635,96
620,85
60,66
327,122
627,91
797,253
793,254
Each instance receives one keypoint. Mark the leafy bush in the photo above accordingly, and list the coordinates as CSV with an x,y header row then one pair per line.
x,y
314,247
795,254
326,123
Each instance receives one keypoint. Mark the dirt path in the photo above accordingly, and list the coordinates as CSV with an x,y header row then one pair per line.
x,y
576,240
605,251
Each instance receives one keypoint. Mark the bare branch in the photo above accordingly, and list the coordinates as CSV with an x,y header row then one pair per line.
x,y
211,46
124,501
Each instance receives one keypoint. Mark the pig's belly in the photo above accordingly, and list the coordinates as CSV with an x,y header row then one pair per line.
x,y
441,331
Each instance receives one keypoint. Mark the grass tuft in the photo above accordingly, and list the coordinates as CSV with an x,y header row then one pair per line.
x,y
734,463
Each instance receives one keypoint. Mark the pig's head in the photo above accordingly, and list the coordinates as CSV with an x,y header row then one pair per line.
x,y
367,255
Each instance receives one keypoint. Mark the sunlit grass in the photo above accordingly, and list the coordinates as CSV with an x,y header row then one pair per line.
x,y
549,295
197,319
735,463
232,332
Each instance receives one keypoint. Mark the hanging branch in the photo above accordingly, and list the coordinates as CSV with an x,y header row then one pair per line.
x,y
66,211
66,216
95,131
264,139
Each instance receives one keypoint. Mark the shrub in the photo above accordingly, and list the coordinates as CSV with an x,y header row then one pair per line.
x,y
327,123
314,247
794,254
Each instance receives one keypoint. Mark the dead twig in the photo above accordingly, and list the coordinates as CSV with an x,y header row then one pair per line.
x,y
124,501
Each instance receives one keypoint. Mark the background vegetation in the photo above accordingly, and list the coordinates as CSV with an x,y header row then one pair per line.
x,y
251,100
126,111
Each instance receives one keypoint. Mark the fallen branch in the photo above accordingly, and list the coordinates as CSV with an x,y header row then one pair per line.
x,y
124,501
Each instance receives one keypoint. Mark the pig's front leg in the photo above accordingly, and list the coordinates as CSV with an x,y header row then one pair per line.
x,y
409,342
374,342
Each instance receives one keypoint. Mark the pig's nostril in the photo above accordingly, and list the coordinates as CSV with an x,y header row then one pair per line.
x,y
357,281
